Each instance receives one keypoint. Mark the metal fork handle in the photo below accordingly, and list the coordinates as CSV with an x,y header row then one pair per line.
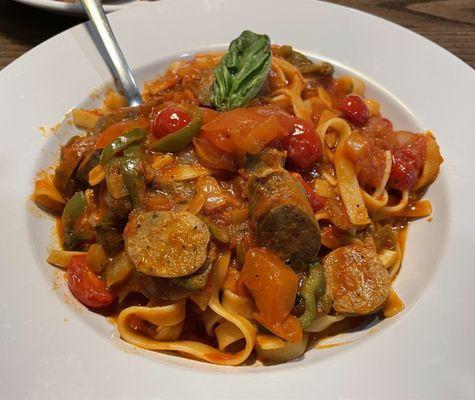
x,y
118,64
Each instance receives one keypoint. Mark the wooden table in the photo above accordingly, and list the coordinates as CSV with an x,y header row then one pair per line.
x,y
450,23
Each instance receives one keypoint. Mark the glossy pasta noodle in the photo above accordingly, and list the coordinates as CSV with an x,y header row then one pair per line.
x,y
254,203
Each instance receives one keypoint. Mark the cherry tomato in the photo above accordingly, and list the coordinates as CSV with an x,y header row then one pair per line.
x,y
303,146
316,201
169,120
86,286
408,160
249,130
354,109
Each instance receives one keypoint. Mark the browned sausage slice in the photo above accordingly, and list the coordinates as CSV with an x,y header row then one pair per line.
x,y
356,279
283,218
166,244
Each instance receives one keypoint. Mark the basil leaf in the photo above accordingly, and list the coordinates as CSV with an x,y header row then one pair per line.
x,y
242,71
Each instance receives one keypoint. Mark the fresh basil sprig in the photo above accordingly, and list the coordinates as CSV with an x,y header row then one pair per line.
x,y
242,71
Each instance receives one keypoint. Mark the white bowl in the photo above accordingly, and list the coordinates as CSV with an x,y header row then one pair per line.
x,y
54,347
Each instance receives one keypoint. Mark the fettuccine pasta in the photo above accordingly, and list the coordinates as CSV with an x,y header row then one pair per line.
x,y
255,203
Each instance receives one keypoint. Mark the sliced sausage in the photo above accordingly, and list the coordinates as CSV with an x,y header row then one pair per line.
x,y
283,218
110,237
72,154
356,279
166,244
90,160
119,207
156,289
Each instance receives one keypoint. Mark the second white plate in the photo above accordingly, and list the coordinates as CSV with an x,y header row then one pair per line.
x,y
63,7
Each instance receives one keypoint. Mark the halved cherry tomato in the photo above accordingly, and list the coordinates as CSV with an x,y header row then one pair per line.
x,y
114,131
273,285
407,163
249,130
354,109
303,146
169,120
86,286
317,202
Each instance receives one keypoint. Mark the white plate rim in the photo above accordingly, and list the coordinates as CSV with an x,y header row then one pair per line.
x,y
400,371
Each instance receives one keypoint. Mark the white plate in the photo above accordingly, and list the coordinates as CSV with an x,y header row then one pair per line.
x,y
62,7
52,347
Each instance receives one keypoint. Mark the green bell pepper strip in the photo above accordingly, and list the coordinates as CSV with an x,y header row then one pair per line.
x,y
133,179
73,210
120,144
178,140
312,288
132,151
220,234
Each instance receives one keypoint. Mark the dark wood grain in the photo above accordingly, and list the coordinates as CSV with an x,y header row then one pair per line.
x,y
23,27
449,23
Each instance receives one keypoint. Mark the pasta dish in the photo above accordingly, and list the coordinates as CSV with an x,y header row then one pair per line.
x,y
254,203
